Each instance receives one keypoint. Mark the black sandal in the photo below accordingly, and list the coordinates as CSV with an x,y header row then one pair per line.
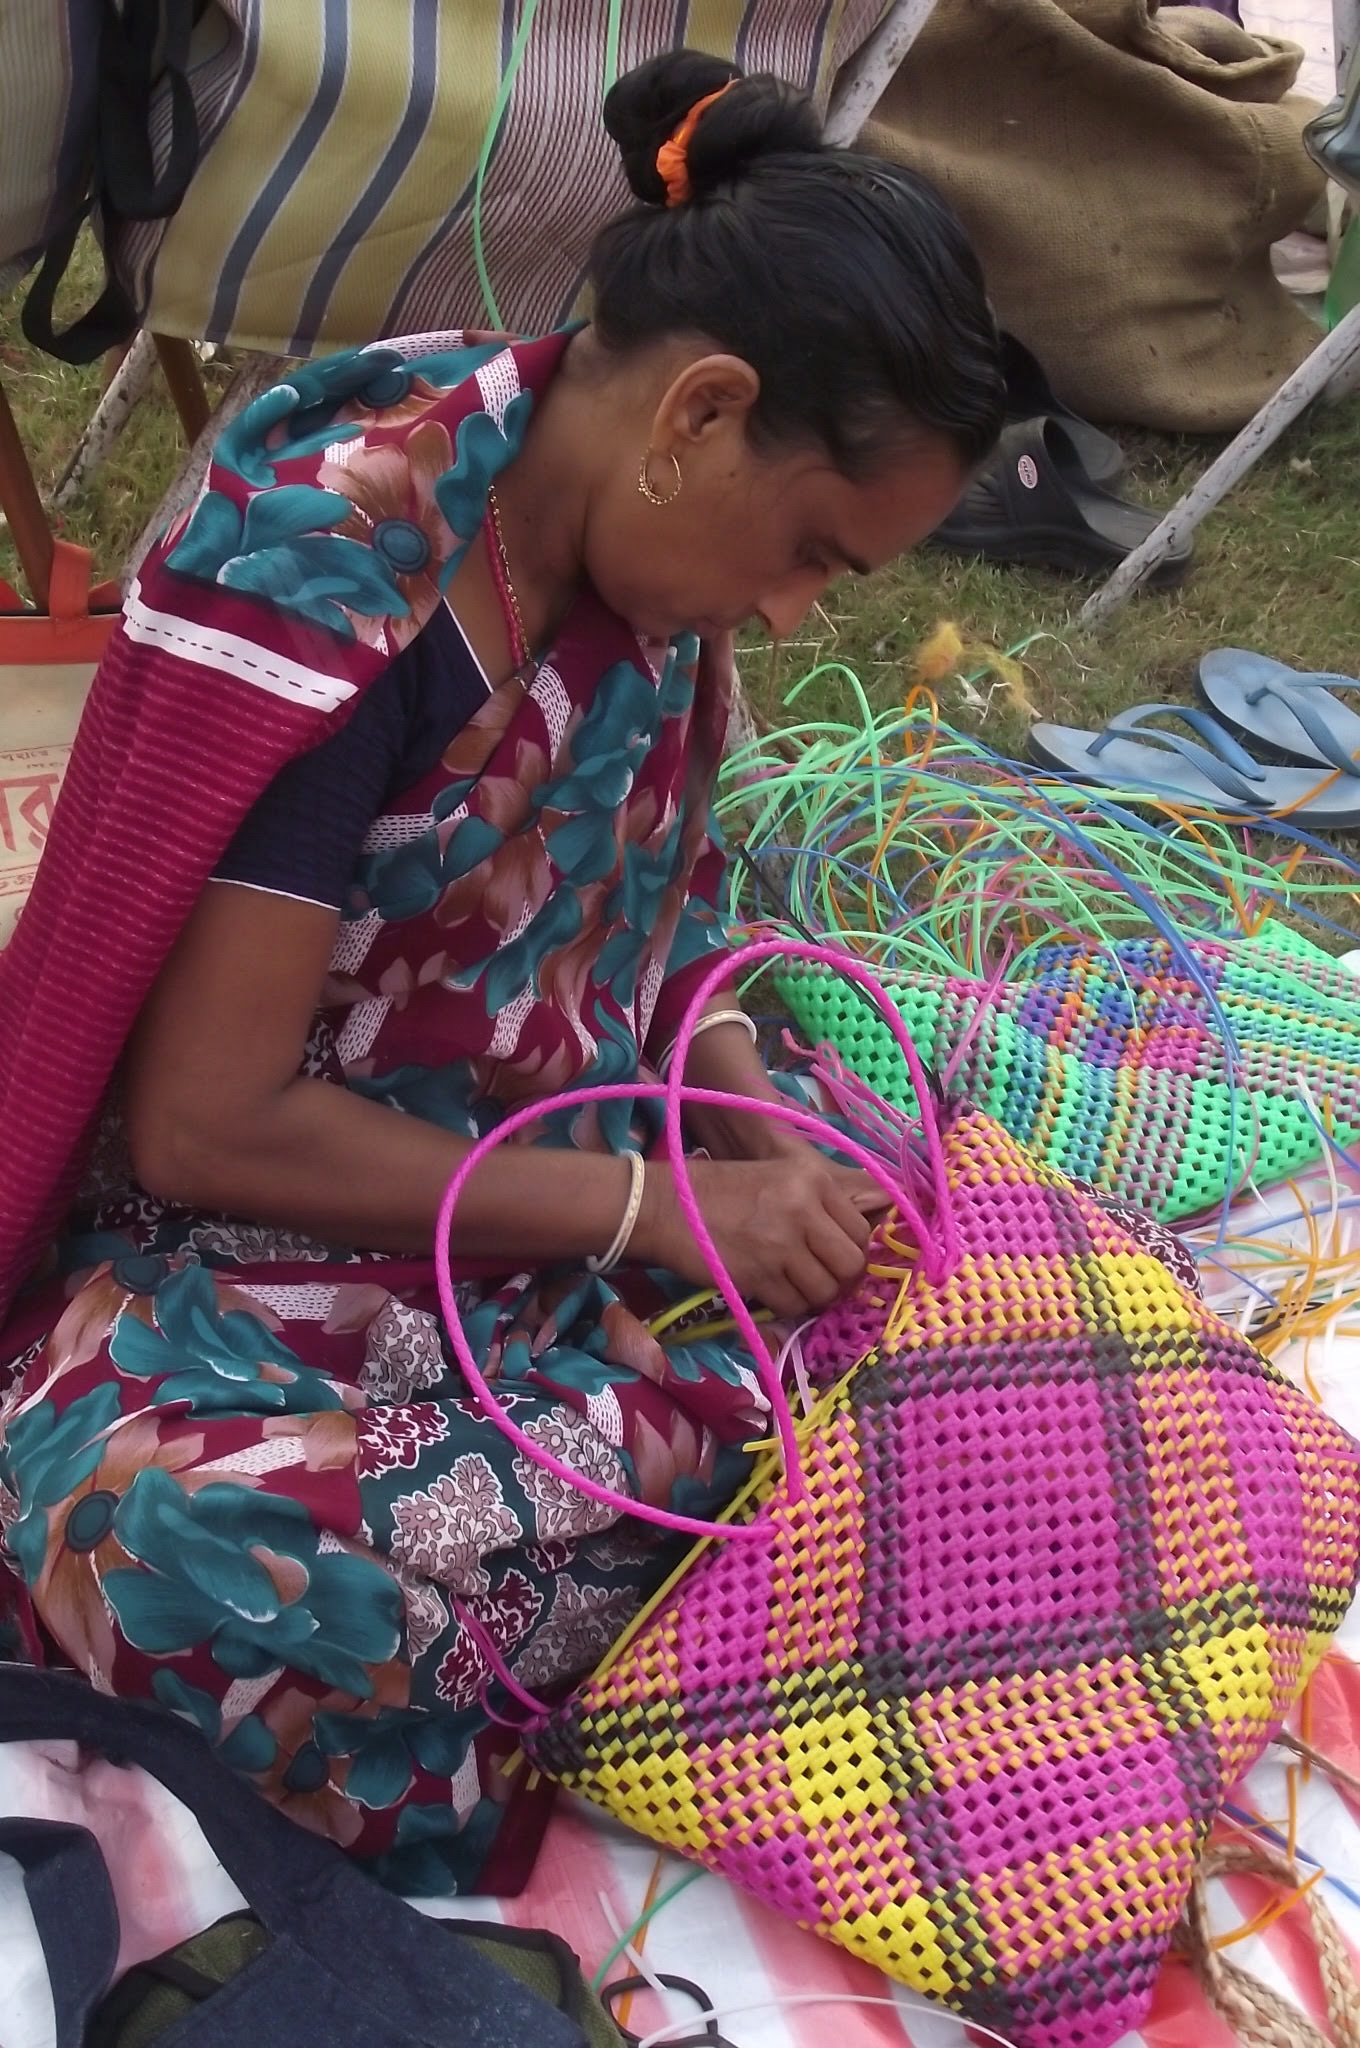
x,y
1030,396
1037,504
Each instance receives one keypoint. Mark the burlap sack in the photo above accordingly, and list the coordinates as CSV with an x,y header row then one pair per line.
x,y
1124,172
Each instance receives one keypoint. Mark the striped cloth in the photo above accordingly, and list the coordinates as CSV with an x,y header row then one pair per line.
x,y
47,99
334,200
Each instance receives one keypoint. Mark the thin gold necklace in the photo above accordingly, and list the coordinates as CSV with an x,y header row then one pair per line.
x,y
505,585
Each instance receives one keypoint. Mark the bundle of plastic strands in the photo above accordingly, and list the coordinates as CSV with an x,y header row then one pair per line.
x,y
918,847
1284,1265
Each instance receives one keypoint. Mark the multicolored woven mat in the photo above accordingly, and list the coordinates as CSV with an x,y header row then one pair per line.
x,y
1110,1063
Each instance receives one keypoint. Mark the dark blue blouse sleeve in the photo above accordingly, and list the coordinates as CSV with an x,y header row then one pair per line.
x,y
304,835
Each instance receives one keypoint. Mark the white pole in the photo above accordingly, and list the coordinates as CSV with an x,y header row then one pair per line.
x,y
864,80
1331,356
127,388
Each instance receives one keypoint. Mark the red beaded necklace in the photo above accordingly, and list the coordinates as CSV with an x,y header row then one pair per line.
x,y
504,582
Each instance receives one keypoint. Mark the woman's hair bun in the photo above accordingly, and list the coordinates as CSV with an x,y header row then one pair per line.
x,y
761,116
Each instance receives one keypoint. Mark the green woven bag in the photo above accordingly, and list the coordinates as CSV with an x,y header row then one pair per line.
x,y
1109,1062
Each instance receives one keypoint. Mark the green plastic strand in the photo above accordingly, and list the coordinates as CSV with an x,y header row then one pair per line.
x,y
629,1934
493,129
1024,878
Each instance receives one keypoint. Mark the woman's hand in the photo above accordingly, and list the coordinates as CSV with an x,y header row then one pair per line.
x,y
725,1059
792,1231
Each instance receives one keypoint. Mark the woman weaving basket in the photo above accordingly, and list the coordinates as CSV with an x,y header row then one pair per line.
x,y
390,812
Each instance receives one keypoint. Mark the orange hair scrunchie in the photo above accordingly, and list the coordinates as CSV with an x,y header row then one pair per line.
x,y
672,159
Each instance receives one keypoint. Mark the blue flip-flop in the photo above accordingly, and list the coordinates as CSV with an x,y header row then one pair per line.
x,y
1292,710
1212,772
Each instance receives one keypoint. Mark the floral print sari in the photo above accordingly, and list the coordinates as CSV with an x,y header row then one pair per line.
x,y
239,1473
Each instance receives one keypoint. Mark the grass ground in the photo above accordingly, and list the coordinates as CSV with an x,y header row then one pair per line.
x,y
51,403
1278,568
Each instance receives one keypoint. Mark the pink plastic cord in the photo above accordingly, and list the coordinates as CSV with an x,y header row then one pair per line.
x,y
803,1121
935,1266
937,1258
850,969
791,1359
537,1709
885,1129
987,996
876,1121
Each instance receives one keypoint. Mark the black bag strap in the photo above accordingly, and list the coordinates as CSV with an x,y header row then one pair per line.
x,y
128,1998
124,182
74,1912
540,1942
133,189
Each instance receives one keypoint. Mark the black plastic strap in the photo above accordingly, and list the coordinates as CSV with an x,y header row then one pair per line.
x,y
104,325
132,187
624,1986
537,1941
124,182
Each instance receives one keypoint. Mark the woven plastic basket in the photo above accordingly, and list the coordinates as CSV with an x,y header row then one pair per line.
x,y
1110,1064
1069,1550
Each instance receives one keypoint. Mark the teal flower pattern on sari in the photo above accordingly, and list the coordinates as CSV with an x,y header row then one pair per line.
x,y
482,449
447,1096
675,691
514,967
44,1458
244,1572
217,1361
610,744
633,906
282,549
249,1746
302,416
435,1851
387,1746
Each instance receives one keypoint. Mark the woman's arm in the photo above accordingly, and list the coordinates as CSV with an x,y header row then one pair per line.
x,y
218,1118
724,1058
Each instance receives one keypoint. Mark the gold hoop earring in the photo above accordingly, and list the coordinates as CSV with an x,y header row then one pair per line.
x,y
648,488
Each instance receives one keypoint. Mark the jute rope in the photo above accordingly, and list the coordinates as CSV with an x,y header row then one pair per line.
x,y
1305,1750
1259,2016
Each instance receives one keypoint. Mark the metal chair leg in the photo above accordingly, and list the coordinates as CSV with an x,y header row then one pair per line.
x,y
864,80
23,508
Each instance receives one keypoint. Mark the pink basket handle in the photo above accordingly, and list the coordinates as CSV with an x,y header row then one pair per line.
x,y
675,1094
936,1260
804,1121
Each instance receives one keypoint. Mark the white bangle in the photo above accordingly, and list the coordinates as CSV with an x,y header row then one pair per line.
x,y
707,1022
637,1166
